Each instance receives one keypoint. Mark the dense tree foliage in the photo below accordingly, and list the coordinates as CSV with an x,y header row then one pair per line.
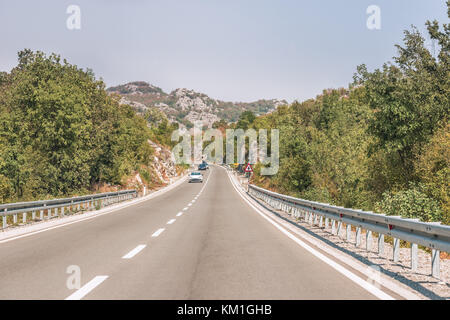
x,y
382,144
60,132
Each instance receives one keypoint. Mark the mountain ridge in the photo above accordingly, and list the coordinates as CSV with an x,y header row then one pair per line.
x,y
186,106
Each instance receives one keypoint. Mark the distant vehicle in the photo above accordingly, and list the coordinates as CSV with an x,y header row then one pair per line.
x,y
202,166
195,177
206,164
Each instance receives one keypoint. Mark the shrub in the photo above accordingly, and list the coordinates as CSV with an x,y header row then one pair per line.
x,y
411,203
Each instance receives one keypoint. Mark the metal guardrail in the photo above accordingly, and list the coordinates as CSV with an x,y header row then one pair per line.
x,y
51,207
432,235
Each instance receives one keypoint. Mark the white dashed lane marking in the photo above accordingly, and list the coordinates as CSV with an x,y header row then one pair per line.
x,y
134,252
171,221
88,287
158,232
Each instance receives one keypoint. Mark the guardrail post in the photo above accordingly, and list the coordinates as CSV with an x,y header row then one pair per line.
x,y
396,249
4,218
24,217
414,259
333,227
49,213
349,232
62,211
33,215
339,228
380,244
358,237
368,240
15,218
316,216
321,222
41,214
326,222
435,263
310,218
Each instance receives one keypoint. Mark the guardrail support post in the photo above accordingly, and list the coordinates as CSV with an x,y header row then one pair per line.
x,y
414,250
33,215
24,217
15,218
326,222
339,228
333,227
435,263
381,244
358,237
396,249
321,222
41,214
349,232
62,211
368,240
4,219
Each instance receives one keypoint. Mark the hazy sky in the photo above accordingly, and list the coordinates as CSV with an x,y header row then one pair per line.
x,y
229,49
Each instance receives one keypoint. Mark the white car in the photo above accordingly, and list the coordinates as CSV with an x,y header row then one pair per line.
x,y
195,177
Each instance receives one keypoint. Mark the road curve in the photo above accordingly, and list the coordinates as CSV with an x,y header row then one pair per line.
x,y
218,247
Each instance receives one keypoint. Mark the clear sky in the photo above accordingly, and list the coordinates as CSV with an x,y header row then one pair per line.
x,y
237,50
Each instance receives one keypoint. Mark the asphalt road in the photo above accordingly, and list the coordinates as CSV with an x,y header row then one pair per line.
x,y
219,248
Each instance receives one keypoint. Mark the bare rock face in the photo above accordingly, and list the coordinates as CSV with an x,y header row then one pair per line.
x,y
163,163
187,106
139,107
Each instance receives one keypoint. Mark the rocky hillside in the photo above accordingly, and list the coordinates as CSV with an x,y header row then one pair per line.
x,y
161,172
186,106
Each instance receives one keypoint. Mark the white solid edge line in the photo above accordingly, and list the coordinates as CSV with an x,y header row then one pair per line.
x,y
190,204
185,208
179,214
88,287
158,232
171,221
364,284
134,252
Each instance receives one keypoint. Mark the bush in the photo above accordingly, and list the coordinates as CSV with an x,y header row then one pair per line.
x,y
6,189
411,203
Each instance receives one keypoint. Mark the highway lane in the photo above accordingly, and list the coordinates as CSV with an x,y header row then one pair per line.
x,y
34,267
219,248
